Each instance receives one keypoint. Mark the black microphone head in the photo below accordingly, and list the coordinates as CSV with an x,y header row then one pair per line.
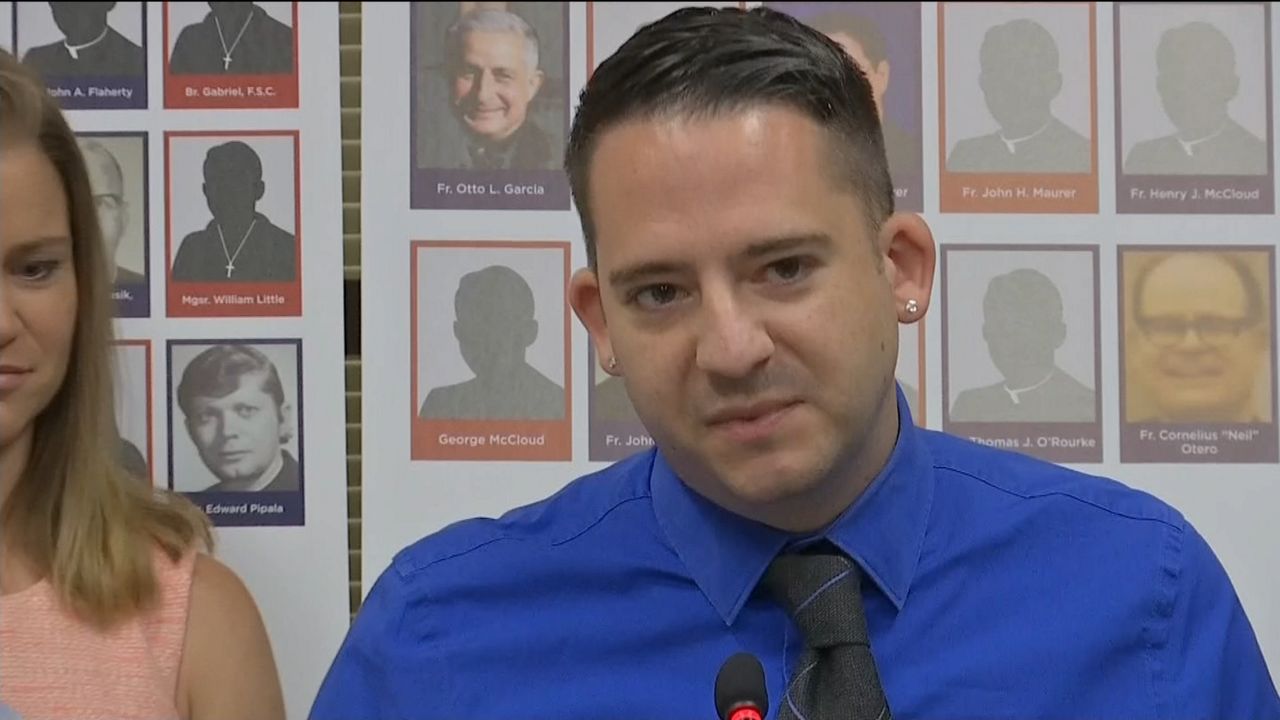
x,y
741,682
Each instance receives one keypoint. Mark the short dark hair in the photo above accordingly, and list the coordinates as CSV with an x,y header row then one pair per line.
x,y
711,61
236,155
217,370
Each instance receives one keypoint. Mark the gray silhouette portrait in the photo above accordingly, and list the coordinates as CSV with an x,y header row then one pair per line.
x,y
494,325
114,210
90,46
1020,78
234,38
865,45
235,411
239,244
493,74
1023,328
612,403
1196,79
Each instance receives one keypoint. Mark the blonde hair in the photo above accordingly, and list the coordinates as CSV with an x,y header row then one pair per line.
x,y
75,513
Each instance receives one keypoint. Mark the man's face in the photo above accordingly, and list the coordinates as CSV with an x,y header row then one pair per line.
x,y
1017,86
493,84
1194,94
739,290
238,435
1020,339
1199,352
108,199
877,73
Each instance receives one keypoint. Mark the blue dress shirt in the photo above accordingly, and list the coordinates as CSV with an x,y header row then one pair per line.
x,y
997,586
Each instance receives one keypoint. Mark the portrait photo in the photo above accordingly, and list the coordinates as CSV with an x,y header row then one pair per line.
x,y
92,55
117,166
1198,335
490,356
490,104
1021,335
235,416
883,40
491,341
233,208
230,38
133,406
1018,88
1194,88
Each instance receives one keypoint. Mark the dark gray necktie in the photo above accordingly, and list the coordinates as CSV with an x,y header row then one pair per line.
x,y
836,677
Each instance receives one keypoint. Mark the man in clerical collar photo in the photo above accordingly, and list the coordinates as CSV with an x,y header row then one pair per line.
x,y
1024,329
239,244
89,47
234,38
114,210
492,62
235,411
1020,79
1197,81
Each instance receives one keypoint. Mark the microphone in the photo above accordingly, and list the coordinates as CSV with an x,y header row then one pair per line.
x,y
740,689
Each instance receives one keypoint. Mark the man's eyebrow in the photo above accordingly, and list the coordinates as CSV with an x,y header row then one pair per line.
x,y
758,249
635,273
784,243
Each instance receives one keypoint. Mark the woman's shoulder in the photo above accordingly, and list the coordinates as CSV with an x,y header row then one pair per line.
x,y
226,646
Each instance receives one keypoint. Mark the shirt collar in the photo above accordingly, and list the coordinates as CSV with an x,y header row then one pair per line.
x,y
883,531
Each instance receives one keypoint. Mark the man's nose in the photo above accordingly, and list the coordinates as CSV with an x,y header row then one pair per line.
x,y
732,342
486,89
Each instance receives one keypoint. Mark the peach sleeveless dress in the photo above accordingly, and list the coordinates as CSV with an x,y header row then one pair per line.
x,y
55,667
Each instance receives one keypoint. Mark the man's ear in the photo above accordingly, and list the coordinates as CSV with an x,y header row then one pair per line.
x,y
536,79
259,189
587,300
286,423
909,256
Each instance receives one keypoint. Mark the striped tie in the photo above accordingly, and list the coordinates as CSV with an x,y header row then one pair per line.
x,y
836,677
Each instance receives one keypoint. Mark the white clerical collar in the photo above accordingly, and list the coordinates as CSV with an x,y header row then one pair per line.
x,y
1189,146
74,50
1015,393
1012,143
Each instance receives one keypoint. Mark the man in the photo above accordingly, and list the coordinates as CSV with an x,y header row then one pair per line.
x,y
239,244
235,411
107,182
493,72
1202,339
1020,80
495,327
747,273
90,47
866,46
234,38
1197,80
1024,330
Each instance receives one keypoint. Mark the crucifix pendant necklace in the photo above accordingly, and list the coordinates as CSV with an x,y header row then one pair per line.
x,y
226,51
231,257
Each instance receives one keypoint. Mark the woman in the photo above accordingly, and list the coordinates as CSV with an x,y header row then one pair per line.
x,y
108,606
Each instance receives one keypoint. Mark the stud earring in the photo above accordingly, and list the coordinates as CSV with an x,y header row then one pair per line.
x,y
613,363
912,306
